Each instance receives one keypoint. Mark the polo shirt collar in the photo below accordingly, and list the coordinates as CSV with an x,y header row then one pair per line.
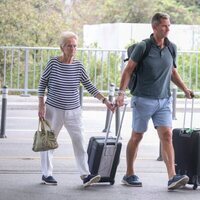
x,y
166,40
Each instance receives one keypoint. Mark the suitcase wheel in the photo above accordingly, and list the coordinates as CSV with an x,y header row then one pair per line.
x,y
195,186
112,182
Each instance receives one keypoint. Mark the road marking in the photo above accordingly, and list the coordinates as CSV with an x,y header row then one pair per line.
x,y
34,130
59,158
34,158
22,118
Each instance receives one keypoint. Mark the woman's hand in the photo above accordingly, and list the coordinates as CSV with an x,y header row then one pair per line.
x,y
109,105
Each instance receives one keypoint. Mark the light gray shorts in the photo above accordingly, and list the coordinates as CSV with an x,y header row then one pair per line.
x,y
144,109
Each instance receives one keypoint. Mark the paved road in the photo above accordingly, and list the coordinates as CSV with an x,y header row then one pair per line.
x,y
20,166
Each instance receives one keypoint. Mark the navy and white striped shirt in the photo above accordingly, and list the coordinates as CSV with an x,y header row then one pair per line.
x,y
62,82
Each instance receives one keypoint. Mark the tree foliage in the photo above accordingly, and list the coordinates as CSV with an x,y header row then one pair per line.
x,y
137,11
39,22
31,22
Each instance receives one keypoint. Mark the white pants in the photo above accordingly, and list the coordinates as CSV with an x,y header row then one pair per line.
x,y
72,120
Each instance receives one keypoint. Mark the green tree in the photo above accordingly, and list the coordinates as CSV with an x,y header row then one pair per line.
x,y
137,11
179,12
39,22
31,22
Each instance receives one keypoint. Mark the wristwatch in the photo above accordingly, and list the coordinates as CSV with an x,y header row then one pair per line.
x,y
121,92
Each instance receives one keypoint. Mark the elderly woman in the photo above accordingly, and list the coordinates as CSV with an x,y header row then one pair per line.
x,y
62,77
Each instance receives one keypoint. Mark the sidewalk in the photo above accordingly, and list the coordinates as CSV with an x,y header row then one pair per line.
x,y
18,102
20,167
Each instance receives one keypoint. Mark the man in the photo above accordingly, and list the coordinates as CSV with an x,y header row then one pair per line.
x,y
152,99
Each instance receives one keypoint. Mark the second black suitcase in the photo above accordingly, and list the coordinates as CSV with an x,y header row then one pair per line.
x,y
186,142
104,154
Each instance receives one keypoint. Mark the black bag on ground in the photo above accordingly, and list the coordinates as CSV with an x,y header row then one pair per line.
x,y
186,142
104,154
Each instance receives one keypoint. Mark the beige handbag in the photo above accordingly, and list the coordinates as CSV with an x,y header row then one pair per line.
x,y
44,138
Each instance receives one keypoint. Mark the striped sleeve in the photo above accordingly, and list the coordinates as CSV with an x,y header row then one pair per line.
x,y
44,79
85,80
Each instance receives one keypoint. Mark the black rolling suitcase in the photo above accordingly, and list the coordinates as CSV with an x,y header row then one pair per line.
x,y
186,142
104,154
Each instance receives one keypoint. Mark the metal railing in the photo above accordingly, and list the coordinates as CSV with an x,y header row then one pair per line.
x,y
21,67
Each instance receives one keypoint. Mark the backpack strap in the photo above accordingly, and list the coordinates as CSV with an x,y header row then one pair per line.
x,y
148,43
172,51
146,51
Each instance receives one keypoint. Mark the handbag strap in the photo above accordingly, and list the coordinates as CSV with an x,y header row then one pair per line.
x,y
39,124
43,123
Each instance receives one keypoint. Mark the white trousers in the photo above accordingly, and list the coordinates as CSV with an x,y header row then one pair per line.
x,y
72,120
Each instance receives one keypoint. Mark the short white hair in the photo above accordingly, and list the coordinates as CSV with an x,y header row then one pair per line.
x,y
65,36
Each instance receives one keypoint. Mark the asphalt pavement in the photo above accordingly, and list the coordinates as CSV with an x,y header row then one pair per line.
x,y
20,176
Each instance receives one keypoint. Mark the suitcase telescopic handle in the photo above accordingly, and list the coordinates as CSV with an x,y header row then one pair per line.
x,y
192,111
120,126
121,122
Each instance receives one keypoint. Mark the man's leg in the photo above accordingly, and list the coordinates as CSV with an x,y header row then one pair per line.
x,y
165,135
130,178
131,152
141,113
175,181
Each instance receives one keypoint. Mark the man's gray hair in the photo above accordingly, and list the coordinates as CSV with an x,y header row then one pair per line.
x,y
65,36
157,18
